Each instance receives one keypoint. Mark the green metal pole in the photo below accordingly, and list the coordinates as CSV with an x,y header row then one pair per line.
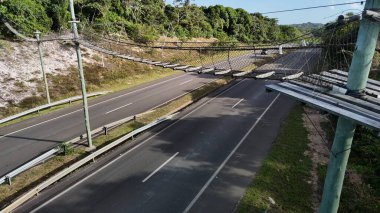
x,y
81,75
37,33
356,84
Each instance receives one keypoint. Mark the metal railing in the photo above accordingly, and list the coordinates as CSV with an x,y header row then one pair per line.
x,y
104,129
46,106
8,177
79,164
101,130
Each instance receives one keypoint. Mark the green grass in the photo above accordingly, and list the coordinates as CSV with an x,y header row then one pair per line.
x,y
185,100
355,197
284,173
361,187
116,133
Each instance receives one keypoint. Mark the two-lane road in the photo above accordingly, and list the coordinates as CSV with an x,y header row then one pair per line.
x,y
23,141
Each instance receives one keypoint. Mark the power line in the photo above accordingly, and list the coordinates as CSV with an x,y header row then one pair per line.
x,y
308,8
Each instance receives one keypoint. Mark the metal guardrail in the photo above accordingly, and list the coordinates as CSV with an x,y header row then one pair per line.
x,y
104,129
8,177
79,164
68,100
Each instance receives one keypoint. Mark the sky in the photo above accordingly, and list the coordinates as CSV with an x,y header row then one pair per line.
x,y
322,15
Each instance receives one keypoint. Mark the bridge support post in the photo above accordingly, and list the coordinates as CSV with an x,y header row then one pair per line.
x,y
37,34
81,75
357,80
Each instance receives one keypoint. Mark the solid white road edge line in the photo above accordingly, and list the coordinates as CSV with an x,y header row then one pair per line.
x,y
238,103
183,94
134,148
228,157
118,108
160,167
11,133
185,82
138,90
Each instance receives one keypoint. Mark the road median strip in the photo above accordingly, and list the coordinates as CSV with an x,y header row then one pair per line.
x,y
24,186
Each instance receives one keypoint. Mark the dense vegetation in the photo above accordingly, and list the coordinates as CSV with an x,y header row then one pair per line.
x,y
307,27
145,20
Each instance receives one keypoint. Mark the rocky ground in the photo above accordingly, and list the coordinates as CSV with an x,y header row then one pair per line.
x,y
20,69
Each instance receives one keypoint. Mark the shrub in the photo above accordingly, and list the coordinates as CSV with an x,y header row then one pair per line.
x,y
26,15
32,101
141,33
67,149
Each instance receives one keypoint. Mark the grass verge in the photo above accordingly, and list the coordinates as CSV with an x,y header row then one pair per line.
x,y
361,187
37,174
284,173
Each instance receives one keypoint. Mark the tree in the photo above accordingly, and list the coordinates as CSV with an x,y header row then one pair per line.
x,y
144,20
57,10
27,16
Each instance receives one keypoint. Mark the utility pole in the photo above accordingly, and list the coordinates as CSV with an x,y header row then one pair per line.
x,y
37,34
356,84
81,75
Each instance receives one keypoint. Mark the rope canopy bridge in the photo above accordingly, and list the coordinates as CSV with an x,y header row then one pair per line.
x,y
305,60
239,60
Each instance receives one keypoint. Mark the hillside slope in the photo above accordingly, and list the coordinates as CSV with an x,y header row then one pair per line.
x,y
20,69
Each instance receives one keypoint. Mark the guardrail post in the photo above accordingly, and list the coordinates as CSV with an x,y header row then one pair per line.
x,y
105,130
37,34
81,75
229,61
8,180
377,134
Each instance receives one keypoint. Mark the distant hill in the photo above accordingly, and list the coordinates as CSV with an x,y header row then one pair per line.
x,y
308,26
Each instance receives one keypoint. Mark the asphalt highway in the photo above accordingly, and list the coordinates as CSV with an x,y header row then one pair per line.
x,y
242,61
23,141
302,60
211,151
202,161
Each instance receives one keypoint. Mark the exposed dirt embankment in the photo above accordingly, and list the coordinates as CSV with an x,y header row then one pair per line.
x,y
318,150
20,69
